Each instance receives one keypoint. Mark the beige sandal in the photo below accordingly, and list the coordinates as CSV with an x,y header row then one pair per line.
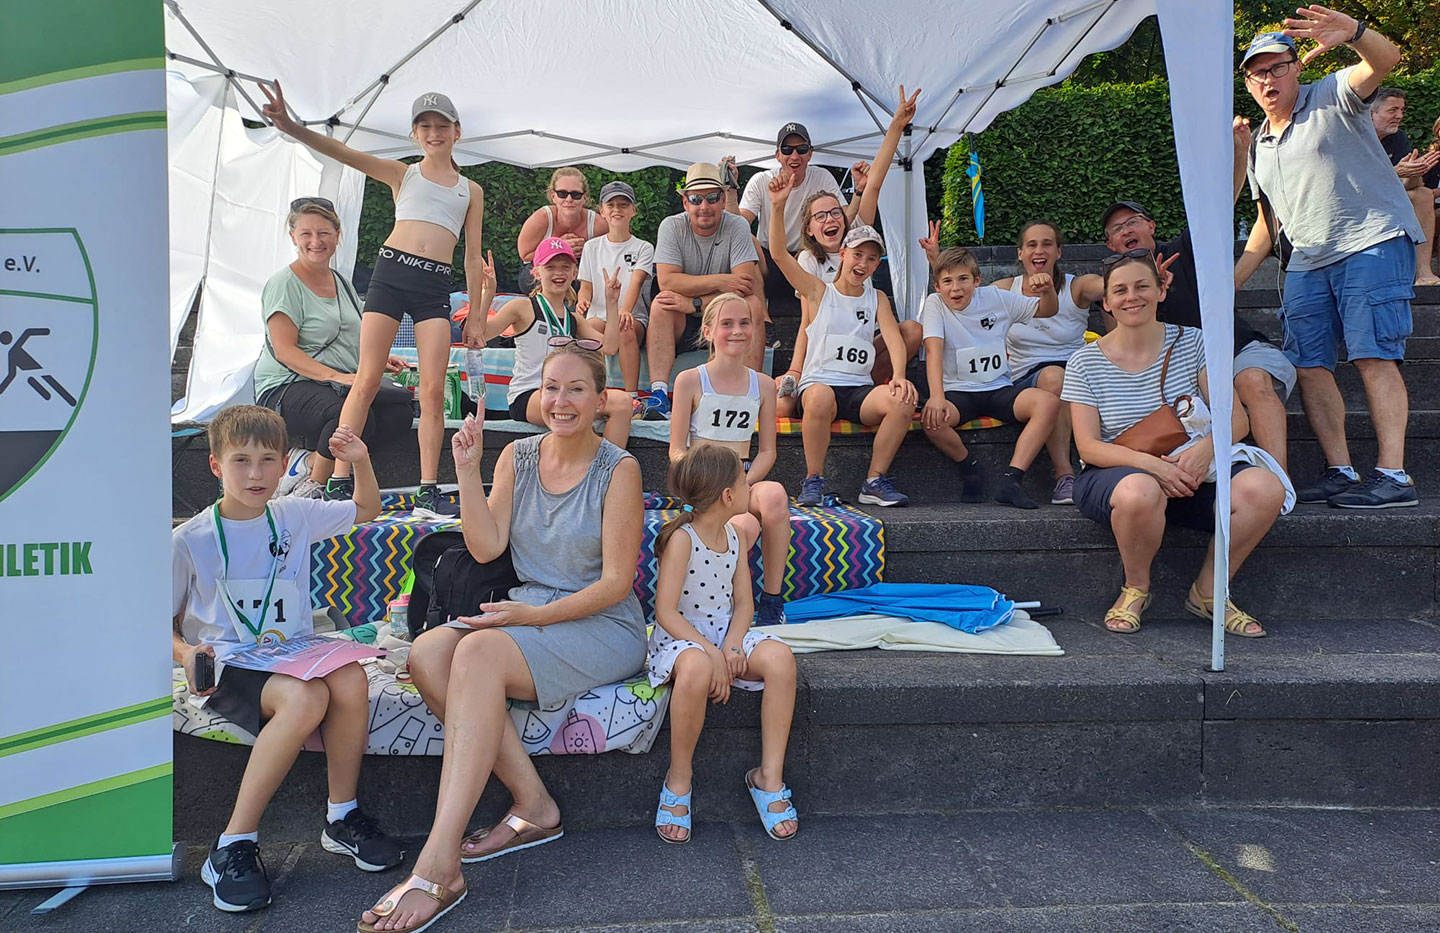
x,y
446,900
1237,621
1120,618
527,836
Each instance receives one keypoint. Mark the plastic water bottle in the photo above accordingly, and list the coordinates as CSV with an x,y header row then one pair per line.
x,y
400,616
475,376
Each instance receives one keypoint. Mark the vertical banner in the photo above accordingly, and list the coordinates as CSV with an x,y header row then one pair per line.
x,y
85,745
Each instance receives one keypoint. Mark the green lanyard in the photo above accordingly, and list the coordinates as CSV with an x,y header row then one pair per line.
x,y
256,629
556,328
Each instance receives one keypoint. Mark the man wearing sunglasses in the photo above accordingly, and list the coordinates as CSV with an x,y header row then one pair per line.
x,y
1352,228
793,151
698,254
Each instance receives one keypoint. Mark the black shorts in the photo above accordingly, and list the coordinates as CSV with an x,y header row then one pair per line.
x,y
848,400
997,403
1095,485
779,293
237,697
689,338
404,283
521,403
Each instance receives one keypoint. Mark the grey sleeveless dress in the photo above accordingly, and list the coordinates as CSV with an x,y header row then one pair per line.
x,y
555,542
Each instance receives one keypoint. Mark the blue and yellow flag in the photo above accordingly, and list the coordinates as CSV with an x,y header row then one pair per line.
x,y
977,193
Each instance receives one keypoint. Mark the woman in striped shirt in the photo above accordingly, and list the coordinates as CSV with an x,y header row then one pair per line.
x,y
1111,385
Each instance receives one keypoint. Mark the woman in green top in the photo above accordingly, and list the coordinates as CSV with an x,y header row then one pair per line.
x,y
312,348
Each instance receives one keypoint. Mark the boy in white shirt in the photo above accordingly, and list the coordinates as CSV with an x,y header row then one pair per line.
x,y
241,577
965,326
618,251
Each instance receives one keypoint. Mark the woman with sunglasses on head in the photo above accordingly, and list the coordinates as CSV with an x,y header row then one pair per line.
x,y
1115,383
567,216
547,320
312,350
434,205
567,507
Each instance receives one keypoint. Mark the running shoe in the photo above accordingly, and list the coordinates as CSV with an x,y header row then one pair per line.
x,y
361,838
880,490
812,491
297,471
308,489
429,503
770,610
339,490
1332,483
1378,491
237,877
657,405
1064,493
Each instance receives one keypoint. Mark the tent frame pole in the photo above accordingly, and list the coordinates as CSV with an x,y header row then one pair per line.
x,y
230,74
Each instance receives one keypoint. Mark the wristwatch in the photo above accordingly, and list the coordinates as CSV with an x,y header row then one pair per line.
x,y
1359,31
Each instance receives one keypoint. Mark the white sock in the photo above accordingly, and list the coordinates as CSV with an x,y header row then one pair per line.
x,y
1399,476
1348,470
338,811
660,386
225,840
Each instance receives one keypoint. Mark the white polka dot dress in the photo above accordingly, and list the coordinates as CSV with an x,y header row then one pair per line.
x,y
706,602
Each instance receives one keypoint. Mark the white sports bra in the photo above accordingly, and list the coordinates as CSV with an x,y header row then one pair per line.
x,y
725,418
589,223
422,199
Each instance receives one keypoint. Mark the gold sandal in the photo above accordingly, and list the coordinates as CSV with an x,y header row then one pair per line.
x,y
527,836
1237,620
1128,619
446,900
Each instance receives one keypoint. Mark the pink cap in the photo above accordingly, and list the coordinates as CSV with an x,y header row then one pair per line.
x,y
549,248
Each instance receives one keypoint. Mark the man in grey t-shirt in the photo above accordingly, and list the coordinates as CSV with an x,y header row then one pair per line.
x,y
698,254
1350,275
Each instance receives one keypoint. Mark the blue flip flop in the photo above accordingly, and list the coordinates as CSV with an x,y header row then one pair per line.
x,y
763,799
664,817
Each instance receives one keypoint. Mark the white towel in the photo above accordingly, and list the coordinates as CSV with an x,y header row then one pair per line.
x,y
1022,636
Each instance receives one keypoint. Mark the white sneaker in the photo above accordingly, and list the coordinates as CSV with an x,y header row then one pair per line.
x,y
307,488
297,468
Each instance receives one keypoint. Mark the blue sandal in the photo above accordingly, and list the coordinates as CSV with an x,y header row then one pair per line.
x,y
664,817
768,818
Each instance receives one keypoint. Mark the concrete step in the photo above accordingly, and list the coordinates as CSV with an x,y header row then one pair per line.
x,y
1332,715
1263,313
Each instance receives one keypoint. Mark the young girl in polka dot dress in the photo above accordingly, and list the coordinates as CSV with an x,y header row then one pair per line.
x,y
702,641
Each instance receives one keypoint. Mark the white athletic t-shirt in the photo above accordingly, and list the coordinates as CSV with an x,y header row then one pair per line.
x,y
756,200
196,565
974,338
601,255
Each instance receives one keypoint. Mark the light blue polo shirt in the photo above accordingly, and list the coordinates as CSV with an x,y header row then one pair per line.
x,y
1328,179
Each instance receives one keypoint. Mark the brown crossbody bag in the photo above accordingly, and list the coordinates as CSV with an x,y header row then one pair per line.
x,y
1160,432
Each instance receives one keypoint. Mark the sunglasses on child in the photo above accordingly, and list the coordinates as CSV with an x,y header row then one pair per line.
x,y
572,195
803,149
583,343
326,203
711,197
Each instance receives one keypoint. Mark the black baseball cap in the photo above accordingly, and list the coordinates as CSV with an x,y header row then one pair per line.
x,y
1122,206
792,129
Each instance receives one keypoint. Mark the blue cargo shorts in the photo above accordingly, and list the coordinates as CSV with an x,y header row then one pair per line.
x,y
1363,299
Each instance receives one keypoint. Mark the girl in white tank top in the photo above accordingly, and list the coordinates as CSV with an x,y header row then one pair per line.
x,y
725,402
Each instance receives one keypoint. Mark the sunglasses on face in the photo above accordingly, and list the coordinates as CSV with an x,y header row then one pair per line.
x,y
1109,261
1274,72
326,203
572,195
835,213
711,197
803,149
583,343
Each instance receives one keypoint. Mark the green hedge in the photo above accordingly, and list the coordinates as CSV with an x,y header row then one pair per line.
x,y
1070,151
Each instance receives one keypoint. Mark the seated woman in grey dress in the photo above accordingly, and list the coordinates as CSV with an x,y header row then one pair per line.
x,y
568,505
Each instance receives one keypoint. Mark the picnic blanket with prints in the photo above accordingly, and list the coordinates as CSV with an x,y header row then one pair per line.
x,y
624,716
793,425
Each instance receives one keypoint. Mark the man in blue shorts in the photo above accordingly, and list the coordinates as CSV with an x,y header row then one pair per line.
x,y
1336,196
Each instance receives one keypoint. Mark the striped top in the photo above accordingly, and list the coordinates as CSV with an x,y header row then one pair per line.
x,y
1122,398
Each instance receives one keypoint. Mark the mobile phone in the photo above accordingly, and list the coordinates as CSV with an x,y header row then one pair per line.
x,y
204,672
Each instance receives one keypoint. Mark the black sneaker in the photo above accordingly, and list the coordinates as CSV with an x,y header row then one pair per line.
x,y
359,837
237,876
1332,483
973,483
339,490
1378,491
430,504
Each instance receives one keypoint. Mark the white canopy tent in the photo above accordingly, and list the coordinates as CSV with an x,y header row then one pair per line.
x,y
629,83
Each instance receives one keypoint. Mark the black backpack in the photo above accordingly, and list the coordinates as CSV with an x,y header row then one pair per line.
x,y
449,582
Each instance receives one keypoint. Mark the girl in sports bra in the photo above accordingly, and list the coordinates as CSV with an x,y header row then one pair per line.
x,y
547,320
840,323
727,403
434,204
567,216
